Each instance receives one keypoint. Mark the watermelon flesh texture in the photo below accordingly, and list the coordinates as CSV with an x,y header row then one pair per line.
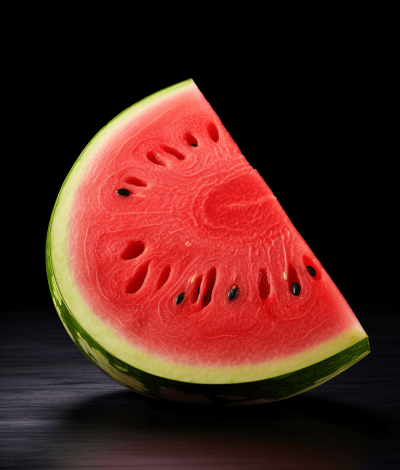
x,y
144,281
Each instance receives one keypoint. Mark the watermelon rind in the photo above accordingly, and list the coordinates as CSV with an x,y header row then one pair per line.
x,y
155,377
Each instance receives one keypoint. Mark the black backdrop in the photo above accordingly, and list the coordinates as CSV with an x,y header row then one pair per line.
x,y
316,127
313,110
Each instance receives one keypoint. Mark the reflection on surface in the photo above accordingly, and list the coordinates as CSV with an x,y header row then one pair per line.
x,y
124,430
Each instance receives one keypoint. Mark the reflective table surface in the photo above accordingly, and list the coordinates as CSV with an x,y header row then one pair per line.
x,y
58,411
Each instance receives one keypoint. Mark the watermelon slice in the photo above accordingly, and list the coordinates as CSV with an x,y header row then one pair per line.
x,y
175,270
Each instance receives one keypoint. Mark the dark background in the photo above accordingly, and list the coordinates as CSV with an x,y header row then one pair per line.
x,y
319,128
314,113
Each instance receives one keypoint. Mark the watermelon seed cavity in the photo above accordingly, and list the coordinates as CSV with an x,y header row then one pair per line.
x,y
153,158
191,140
196,290
164,276
263,284
135,181
309,264
311,270
213,131
173,152
233,293
133,250
209,286
180,298
295,288
123,192
137,280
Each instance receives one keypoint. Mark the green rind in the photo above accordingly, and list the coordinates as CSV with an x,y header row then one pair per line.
x,y
233,394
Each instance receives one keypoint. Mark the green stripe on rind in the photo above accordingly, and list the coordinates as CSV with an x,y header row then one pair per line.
x,y
262,391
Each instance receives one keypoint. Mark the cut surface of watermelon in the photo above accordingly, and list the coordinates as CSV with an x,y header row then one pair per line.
x,y
172,264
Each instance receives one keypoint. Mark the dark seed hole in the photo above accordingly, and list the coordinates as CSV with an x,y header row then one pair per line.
x,y
137,280
164,276
311,270
315,272
213,131
123,192
295,288
293,280
191,140
209,286
233,293
135,181
196,290
264,287
180,298
173,152
133,250
153,158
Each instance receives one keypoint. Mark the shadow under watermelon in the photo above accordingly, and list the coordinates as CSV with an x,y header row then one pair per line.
x,y
124,429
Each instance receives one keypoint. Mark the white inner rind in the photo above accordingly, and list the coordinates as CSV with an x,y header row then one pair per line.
x,y
108,339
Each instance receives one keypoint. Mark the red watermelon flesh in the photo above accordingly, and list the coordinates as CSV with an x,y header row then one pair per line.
x,y
199,224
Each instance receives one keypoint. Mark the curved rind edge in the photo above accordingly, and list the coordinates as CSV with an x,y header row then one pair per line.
x,y
232,394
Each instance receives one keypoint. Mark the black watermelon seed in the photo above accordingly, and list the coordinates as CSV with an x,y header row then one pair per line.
x,y
193,145
233,293
295,288
123,192
180,298
311,270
